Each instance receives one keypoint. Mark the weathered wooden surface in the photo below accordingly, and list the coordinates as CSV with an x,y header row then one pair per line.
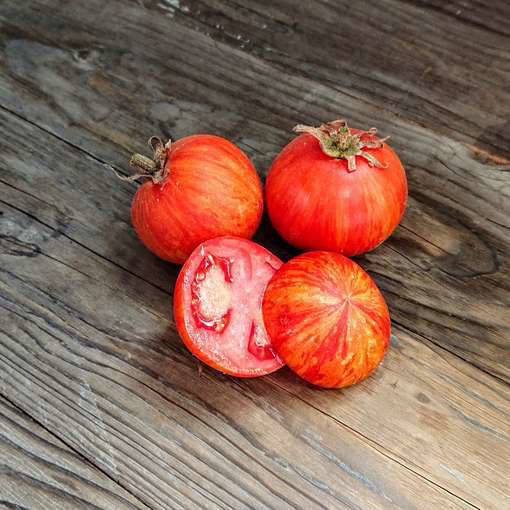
x,y
87,344
38,471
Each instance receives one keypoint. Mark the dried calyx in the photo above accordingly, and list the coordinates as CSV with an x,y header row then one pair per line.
x,y
146,167
337,141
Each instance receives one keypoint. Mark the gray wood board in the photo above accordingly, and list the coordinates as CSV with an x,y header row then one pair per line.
x,y
445,272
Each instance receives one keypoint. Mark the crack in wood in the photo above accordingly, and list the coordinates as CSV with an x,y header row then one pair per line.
x,y
378,447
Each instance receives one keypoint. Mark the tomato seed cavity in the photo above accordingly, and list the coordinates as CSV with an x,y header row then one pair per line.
x,y
210,293
258,343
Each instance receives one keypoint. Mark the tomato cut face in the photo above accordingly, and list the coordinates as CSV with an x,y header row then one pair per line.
x,y
218,306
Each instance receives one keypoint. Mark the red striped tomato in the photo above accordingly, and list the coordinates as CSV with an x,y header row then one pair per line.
x,y
336,189
326,319
200,187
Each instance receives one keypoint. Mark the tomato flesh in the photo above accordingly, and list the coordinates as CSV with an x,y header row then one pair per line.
x,y
258,343
218,306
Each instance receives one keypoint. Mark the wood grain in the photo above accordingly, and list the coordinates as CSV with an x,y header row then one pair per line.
x,y
103,332
37,470
85,310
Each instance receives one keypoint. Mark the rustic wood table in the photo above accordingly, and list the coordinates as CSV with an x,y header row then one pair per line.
x,y
101,405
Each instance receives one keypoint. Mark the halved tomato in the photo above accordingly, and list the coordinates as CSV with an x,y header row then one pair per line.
x,y
218,306
327,319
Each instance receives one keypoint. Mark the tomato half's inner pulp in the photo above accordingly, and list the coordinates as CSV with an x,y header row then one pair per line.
x,y
218,306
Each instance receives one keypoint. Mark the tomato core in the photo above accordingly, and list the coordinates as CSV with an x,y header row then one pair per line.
x,y
211,295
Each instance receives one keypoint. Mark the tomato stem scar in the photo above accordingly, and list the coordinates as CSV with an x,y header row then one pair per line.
x,y
337,140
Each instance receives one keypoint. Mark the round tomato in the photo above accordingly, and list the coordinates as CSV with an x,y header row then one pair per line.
x,y
200,187
337,189
218,306
326,319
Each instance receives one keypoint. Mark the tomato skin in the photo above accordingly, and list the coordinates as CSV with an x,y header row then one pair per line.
x,y
183,317
211,189
315,203
326,319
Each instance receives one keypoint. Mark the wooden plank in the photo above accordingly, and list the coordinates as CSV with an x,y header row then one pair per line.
x,y
37,470
445,272
98,330
409,62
